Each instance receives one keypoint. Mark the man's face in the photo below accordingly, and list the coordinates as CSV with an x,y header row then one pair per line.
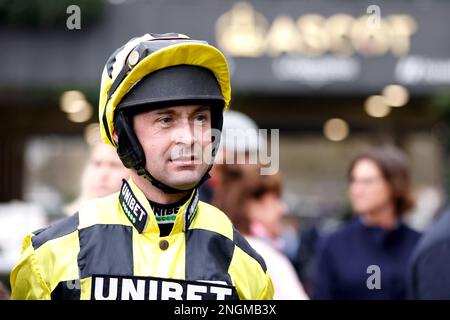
x,y
175,141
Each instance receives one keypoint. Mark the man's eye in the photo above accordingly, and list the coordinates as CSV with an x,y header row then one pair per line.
x,y
200,118
165,120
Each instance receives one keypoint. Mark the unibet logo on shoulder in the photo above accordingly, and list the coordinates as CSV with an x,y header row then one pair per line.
x,y
150,288
134,211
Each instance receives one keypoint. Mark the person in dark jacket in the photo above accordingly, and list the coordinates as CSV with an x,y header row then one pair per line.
x,y
428,274
367,258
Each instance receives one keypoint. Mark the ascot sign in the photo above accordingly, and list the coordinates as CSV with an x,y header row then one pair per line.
x,y
244,32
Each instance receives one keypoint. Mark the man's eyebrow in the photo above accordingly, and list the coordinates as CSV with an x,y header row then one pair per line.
x,y
173,110
201,108
164,111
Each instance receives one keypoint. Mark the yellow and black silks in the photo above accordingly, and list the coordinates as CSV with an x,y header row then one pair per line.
x,y
111,249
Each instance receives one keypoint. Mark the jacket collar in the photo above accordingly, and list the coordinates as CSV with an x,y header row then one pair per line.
x,y
137,209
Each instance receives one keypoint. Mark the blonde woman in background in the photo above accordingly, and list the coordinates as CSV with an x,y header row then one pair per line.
x,y
102,174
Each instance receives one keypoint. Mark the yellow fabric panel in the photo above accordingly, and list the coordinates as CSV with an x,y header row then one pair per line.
x,y
58,259
27,282
268,291
105,210
150,260
249,278
86,285
197,54
211,218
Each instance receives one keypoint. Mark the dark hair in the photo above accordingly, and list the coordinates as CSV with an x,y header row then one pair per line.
x,y
394,167
241,183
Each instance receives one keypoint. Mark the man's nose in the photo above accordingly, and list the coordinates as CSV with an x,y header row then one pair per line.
x,y
185,133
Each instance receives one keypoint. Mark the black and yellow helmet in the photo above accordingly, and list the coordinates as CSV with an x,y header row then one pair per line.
x,y
153,71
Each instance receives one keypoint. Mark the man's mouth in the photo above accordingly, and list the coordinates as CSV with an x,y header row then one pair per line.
x,y
184,160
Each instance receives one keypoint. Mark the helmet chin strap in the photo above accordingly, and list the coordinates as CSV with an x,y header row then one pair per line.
x,y
141,171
